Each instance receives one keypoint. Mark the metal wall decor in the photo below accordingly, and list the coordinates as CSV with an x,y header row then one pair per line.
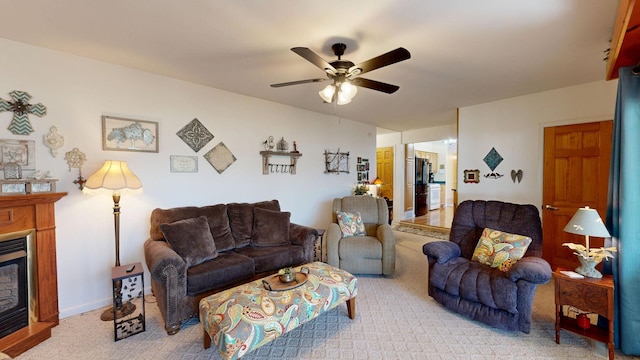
x,y
129,135
22,152
220,157
76,159
516,175
336,162
195,135
53,140
493,159
20,125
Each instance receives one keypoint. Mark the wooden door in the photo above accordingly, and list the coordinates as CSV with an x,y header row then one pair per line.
x,y
409,177
384,170
576,174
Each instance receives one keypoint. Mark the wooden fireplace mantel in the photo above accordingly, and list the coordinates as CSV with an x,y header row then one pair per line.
x,y
37,212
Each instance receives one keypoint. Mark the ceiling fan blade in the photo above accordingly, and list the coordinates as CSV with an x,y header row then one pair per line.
x,y
377,62
314,59
298,82
375,85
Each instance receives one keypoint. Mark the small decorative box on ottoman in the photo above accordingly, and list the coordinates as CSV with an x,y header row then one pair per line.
x,y
242,319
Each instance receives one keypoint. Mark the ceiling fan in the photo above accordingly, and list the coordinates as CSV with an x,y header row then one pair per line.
x,y
345,74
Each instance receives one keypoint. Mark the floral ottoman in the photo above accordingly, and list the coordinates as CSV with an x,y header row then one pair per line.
x,y
244,318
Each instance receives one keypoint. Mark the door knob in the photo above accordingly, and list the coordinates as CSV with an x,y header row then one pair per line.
x,y
549,207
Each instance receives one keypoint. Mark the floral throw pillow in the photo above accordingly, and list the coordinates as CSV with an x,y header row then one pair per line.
x,y
350,224
500,249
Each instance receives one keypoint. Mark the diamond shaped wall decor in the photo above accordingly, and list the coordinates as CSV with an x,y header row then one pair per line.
x,y
195,135
220,157
493,159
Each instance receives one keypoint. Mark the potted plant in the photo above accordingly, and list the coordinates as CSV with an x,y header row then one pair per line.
x,y
287,274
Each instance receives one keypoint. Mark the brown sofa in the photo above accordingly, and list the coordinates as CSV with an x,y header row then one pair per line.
x,y
193,252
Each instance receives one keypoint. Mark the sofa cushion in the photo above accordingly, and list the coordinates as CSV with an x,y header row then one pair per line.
x,y
350,223
270,228
270,258
500,249
191,239
229,267
241,219
216,216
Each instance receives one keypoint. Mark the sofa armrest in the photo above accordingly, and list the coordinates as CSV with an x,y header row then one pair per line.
x,y
166,267
386,236
332,237
305,237
441,251
532,269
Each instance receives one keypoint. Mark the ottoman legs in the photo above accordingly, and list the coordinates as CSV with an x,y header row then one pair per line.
x,y
351,308
207,339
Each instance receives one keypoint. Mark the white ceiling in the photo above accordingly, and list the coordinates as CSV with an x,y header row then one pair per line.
x,y
464,52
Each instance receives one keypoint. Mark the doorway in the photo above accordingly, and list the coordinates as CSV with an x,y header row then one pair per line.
x,y
576,174
433,194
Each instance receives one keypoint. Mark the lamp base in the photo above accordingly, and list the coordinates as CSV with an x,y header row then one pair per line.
x,y
126,309
587,268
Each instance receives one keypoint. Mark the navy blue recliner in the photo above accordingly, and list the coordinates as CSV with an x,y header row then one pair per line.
x,y
480,292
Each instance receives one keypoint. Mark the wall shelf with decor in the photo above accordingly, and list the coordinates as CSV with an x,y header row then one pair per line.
x,y
268,167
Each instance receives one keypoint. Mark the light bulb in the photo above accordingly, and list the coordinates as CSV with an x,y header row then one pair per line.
x,y
327,93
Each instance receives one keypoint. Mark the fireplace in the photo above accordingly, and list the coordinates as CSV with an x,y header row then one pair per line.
x,y
28,270
15,290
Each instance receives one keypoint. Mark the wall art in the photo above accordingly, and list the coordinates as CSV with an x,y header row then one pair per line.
x,y
493,159
76,159
20,125
122,134
472,176
336,162
53,140
183,164
21,152
195,135
516,175
220,157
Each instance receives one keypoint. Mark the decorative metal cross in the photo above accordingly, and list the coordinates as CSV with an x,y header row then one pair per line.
x,y
21,108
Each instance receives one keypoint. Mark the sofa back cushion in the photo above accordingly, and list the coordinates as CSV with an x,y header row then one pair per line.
x,y
191,239
270,228
473,216
241,219
216,217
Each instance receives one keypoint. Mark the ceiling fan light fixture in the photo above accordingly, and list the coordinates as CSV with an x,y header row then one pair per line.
x,y
327,93
347,91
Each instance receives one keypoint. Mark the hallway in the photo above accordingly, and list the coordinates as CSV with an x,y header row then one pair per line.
x,y
437,220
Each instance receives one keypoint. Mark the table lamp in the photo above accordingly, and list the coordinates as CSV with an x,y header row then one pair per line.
x,y
378,182
113,178
587,222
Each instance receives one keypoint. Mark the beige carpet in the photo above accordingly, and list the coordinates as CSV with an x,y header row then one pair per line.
x,y
395,319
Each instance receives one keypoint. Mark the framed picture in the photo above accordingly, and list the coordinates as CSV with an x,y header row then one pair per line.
x,y
472,176
21,152
122,134
183,164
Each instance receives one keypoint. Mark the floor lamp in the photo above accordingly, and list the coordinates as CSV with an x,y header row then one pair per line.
x,y
113,178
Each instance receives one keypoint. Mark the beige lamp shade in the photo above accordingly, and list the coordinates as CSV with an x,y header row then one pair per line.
x,y
586,221
113,176
378,181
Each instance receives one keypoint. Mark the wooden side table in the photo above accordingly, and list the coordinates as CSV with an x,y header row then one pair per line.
x,y
589,295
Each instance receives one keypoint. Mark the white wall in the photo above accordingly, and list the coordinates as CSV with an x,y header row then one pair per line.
x,y
515,128
78,91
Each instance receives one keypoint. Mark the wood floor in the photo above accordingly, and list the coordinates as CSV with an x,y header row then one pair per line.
x,y
439,220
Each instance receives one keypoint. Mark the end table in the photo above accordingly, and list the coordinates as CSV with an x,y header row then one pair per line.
x,y
589,295
128,291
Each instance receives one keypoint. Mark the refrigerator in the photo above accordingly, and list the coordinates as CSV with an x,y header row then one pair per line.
x,y
423,169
